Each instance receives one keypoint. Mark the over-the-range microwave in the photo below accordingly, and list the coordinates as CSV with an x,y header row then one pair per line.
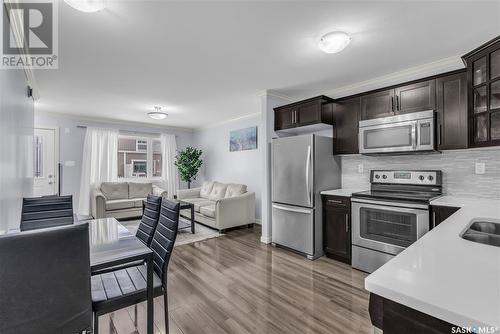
x,y
406,133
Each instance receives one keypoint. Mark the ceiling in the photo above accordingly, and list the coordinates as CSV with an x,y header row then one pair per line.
x,y
207,61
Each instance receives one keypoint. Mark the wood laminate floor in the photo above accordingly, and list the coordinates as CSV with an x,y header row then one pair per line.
x,y
235,284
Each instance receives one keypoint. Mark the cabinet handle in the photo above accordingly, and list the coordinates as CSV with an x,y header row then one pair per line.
x,y
392,103
295,111
397,102
291,115
335,201
347,223
433,219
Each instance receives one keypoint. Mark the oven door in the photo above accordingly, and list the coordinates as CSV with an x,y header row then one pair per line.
x,y
387,227
387,138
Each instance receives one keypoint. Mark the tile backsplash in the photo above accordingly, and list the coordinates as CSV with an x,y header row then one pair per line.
x,y
458,168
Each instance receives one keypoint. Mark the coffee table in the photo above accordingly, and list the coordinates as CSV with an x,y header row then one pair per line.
x,y
182,221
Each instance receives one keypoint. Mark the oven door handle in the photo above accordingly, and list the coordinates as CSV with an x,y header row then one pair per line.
x,y
391,204
414,135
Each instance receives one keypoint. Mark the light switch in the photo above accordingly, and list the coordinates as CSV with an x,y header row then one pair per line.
x,y
480,168
69,163
361,168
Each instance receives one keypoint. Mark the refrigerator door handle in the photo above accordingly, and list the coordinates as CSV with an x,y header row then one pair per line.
x,y
285,208
308,163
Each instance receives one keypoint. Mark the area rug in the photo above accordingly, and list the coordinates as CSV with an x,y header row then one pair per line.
x,y
184,236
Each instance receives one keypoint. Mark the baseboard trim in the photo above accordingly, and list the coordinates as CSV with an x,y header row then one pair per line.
x,y
265,240
258,221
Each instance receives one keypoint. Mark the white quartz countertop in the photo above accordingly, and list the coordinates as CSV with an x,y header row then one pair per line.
x,y
345,192
445,276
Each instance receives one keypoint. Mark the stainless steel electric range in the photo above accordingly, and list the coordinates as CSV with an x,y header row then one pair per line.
x,y
392,215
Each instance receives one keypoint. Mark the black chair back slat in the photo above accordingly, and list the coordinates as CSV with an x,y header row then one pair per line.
x,y
164,237
37,212
45,288
149,220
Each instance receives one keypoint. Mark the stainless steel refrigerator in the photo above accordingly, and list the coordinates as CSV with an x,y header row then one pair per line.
x,y
302,167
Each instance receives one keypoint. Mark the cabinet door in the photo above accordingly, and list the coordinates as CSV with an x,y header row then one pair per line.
x,y
452,112
380,104
345,126
416,97
337,233
284,119
441,213
308,113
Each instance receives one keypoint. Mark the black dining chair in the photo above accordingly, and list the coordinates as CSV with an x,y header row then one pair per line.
x,y
46,211
125,287
150,216
45,281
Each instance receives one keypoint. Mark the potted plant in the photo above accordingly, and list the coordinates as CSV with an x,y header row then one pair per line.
x,y
188,163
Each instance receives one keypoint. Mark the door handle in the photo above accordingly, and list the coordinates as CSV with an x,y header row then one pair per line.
x,y
439,134
346,222
298,210
51,182
308,162
49,176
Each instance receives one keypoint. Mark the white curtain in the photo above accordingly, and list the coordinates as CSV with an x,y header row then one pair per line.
x,y
99,163
169,171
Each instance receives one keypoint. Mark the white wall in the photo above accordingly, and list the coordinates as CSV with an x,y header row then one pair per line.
x,y
71,143
219,164
16,146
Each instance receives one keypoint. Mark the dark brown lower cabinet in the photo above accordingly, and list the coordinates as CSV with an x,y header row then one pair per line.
x,y
441,213
337,228
394,318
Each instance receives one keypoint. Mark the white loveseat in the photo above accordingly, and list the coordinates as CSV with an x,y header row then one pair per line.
x,y
121,199
220,205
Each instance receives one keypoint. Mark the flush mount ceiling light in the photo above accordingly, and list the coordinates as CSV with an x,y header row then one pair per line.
x,y
157,114
87,6
334,42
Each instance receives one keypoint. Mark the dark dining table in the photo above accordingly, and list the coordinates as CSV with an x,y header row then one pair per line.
x,y
112,244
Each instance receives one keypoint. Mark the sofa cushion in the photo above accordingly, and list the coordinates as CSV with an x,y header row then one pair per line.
x,y
234,189
198,202
206,188
118,204
138,201
208,210
218,191
114,190
137,189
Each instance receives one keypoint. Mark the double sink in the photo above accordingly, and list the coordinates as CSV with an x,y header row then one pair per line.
x,y
483,231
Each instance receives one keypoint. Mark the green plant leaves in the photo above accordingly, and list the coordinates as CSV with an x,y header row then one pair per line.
x,y
188,163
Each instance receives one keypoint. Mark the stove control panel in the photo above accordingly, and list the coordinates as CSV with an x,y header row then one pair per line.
x,y
412,177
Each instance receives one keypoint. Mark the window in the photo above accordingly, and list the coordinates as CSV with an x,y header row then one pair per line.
x,y
139,157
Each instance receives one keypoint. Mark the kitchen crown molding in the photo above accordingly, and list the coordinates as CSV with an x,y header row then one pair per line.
x,y
409,74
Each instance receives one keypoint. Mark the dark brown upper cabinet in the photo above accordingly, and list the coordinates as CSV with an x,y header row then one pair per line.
x,y
416,97
345,125
483,90
303,113
379,104
452,111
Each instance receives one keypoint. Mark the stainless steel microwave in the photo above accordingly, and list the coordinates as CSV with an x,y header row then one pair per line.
x,y
413,132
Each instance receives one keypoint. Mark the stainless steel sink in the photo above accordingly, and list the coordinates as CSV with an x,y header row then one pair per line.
x,y
484,231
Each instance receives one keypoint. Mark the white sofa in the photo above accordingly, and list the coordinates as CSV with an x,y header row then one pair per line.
x,y
220,205
121,199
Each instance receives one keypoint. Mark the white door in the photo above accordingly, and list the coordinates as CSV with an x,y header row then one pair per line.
x,y
45,161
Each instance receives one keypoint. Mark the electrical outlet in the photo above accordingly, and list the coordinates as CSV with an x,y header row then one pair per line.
x,y
480,168
361,169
